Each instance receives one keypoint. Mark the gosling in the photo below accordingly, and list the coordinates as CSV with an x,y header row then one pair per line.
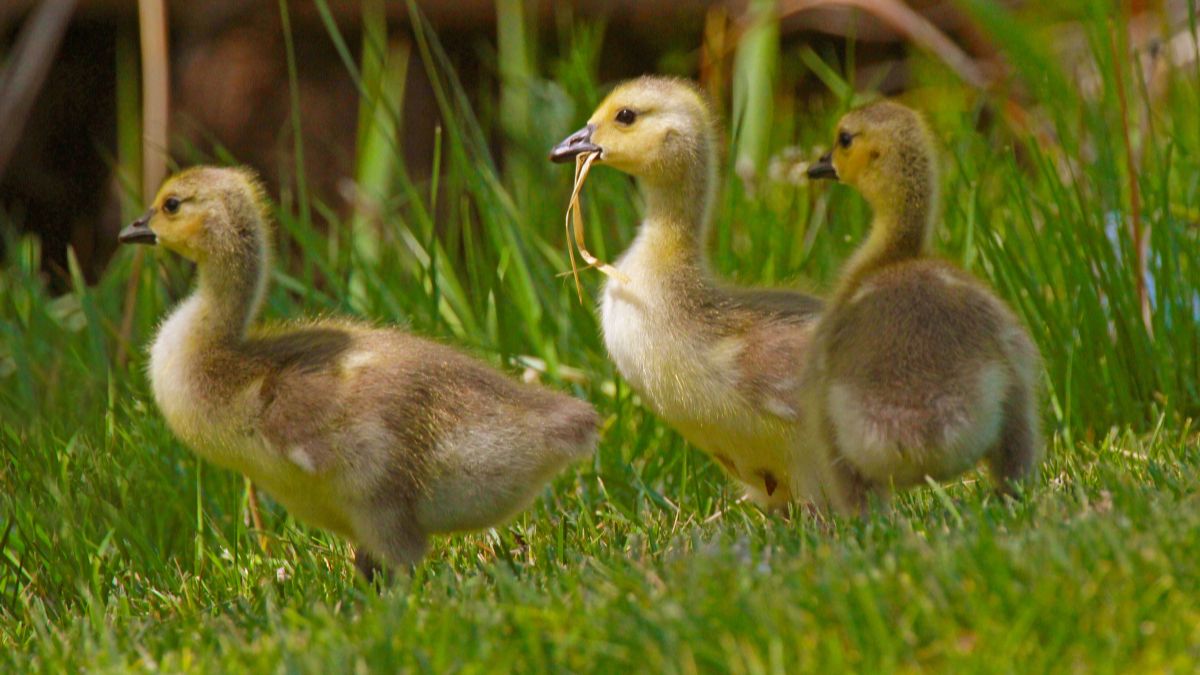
x,y
379,436
918,369
719,364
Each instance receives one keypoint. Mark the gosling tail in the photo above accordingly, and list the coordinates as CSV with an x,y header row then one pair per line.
x,y
573,426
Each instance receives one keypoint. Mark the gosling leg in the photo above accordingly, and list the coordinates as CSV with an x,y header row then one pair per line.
x,y
256,517
388,539
852,491
370,568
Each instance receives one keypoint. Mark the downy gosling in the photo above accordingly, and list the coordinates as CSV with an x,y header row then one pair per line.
x,y
918,369
719,364
372,433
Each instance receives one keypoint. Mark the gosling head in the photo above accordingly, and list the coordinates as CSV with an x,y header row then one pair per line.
x,y
655,128
885,151
203,213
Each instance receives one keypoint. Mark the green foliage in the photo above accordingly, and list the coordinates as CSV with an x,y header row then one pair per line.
x,y
119,550
755,77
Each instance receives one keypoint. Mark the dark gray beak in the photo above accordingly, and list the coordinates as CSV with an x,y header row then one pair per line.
x,y
823,168
139,232
577,143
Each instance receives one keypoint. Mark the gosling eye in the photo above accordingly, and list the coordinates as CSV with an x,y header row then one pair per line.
x,y
171,205
845,138
626,116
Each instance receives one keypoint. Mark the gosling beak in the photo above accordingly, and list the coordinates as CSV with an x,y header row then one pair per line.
x,y
139,232
577,143
823,168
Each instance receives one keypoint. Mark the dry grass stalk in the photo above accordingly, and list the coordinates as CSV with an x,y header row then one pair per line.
x,y
27,68
152,20
574,222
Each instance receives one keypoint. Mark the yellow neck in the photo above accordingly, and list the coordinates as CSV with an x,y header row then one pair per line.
x,y
230,291
900,230
679,207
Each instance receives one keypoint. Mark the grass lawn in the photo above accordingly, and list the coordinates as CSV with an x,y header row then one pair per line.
x,y
1094,571
119,550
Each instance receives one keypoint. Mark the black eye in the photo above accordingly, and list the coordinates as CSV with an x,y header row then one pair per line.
x,y
171,205
626,116
844,138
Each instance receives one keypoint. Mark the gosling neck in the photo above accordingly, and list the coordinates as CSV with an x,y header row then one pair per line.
x,y
900,230
679,208
230,292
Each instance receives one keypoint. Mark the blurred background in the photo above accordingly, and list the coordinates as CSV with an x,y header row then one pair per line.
x,y
404,143
72,71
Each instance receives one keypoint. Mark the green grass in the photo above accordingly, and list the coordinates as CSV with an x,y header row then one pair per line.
x,y
119,550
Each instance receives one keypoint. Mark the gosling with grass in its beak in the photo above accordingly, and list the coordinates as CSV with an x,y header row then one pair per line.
x,y
719,364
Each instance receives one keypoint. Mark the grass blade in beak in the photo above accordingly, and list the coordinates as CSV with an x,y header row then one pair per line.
x,y
583,165
571,211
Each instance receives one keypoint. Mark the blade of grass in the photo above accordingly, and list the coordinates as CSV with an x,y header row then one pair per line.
x,y
152,20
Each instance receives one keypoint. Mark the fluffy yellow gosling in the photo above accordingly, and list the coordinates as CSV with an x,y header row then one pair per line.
x,y
719,364
918,369
375,434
